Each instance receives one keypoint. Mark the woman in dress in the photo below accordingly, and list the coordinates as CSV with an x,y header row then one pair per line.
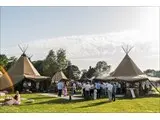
x,y
17,97
65,89
16,100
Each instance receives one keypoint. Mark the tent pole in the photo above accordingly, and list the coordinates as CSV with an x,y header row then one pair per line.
x,y
154,86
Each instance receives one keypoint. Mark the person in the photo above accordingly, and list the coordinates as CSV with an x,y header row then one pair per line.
x,y
16,100
123,87
98,87
74,88
65,89
91,90
78,85
110,87
60,87
17,97
87,90
83,89
114,92
95,94
118,88
70,90
25,85
37,86
103,89
106,86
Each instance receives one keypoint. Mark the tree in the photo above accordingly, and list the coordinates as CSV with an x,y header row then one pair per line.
x,y
101,67
72,72
83,71
61,59
3,60
84,74
39,66
11,61
91,72
54,63
50,64
149,71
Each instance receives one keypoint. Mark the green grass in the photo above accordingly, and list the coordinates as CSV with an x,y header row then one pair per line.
x,y
45,104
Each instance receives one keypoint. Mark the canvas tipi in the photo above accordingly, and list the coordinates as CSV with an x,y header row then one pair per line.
x,y
59,76
5,81
129,76
127,70
127,67
24,70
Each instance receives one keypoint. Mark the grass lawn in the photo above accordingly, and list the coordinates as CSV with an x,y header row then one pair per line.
x,y
45,104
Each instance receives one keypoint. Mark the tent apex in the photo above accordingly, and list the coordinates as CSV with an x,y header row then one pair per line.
x,y
127,49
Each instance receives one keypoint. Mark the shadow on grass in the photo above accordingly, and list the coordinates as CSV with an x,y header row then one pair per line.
x,y
60,101
49,100
40,97
140,97
53,101
95,104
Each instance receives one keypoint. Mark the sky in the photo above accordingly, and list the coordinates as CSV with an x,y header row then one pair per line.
x,y
88,34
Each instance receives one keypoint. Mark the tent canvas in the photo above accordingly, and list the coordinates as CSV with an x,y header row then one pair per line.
x,y
127,71
59,76
127,68
5,82
23,68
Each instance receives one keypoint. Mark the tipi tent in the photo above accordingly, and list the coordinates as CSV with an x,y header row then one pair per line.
x,y
59,76
23,70
127,70
129,75
5,81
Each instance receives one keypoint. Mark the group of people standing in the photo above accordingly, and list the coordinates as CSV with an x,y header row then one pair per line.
x,y
63,86
99,89
90,90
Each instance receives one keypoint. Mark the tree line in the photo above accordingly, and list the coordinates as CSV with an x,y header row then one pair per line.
x,y
56,61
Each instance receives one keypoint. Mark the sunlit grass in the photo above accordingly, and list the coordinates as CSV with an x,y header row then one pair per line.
x,y
50,104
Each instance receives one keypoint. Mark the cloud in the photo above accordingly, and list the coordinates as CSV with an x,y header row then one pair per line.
x,y
96,47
